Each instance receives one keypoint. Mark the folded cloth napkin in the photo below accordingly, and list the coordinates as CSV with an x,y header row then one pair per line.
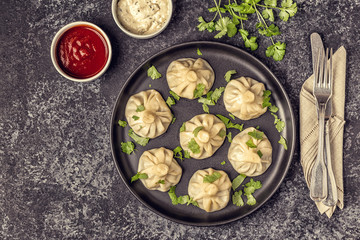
x,y
309,128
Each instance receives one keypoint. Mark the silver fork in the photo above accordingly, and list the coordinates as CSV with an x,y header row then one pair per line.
x,y
322,94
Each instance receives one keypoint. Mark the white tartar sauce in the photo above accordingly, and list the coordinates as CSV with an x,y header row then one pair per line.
x,y
143,16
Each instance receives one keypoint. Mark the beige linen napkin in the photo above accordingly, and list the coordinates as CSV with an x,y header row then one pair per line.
x,y
309,128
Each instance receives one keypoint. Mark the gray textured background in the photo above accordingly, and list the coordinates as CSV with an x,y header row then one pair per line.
x,y
57,176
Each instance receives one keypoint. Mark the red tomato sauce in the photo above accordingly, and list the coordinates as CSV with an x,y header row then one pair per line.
x,y
82,52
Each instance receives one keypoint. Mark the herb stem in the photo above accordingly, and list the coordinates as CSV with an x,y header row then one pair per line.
x,y
262,20
265,6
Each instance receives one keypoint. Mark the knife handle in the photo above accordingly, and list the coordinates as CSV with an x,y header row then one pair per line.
x,y
332,197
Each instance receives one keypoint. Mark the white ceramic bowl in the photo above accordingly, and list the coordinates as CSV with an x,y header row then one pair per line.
x,y
55,43
140,36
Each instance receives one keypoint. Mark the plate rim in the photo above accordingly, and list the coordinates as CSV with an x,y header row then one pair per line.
x,y
195,43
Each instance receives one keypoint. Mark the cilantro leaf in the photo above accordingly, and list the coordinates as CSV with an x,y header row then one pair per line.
x,y
268,14
270,3
250,143
223,163
225,120
282,141
237,199
232,116
249,43
170,101
139,140
183,128
161,182
259,153
173,120
228,75
174,95
199,90
186,154
273,108
209,26
194,146
238,181
178,153
252,185
135,117
197,130
256,134
212,178
153,73
199,52
140,108
229,136
181,199
139,176
230,124
206,108
222,133
127,147
122,123
276,51
251,201
279,124
289,10
217,94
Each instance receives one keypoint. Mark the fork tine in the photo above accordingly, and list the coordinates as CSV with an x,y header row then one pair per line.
x,y
331,70
321,69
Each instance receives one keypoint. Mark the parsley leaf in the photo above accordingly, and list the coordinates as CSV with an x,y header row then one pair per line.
x,y
228,75
139,176
237,199
268,14
256,134
139,140
212,178
140,108
289,10
250,143
282,141
170,101
122,123
238,181
153,73
199,90
127,147
197,130
249,43
199,52
209,26
194,146
174,95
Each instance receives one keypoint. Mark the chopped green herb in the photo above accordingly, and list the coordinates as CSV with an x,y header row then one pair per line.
x,y
173,120
232,116
194,146
228,75
170,101
259,153
140,108
250,143
256,134
127,147
266,101
178,153
273,108
229,124
153,73
225,120
139,176
199,90
161,182
206,108
257,127
212,178
238,181
251,201
276,51
237,199
222,133
150,85
229,136
216,94
186,154
282,141
181,199
279,124
139,140
223,163
174,95
122,123
135,117
197,130
183,128
199,52
250,189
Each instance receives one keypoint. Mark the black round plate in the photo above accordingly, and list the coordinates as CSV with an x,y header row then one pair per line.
x,y
222,58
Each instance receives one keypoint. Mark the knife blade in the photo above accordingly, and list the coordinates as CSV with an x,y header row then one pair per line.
x,y
331,200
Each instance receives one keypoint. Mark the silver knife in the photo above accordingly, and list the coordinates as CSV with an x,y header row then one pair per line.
x,y
331,200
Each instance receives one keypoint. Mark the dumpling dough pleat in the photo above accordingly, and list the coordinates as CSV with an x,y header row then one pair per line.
x,y
183,76
243,97
159,165
210,196
209,138
156,117
246,160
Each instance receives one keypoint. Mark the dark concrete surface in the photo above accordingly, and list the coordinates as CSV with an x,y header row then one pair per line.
x,y
57,176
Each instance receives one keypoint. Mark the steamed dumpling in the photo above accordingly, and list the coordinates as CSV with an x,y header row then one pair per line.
x,y
202,135
246,159
147,114
243,97
162,169
210,196
183,76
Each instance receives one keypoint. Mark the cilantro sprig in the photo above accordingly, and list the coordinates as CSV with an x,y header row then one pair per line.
x,y
153,73
139,140
229,19
138,176
185,199
212,178
211,98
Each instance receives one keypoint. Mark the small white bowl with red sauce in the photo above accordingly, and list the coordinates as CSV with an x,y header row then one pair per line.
x,y
81,51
